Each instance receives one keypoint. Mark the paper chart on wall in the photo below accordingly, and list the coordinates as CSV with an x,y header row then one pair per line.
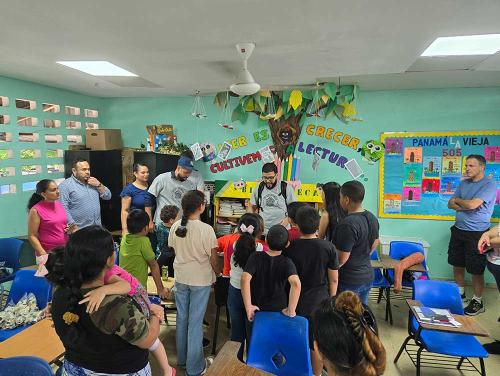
x,y
224,150
196,149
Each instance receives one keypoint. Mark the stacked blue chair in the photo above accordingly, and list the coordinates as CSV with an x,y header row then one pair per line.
x,y
455,349
25,282
24,366
280,345
384,287
10,250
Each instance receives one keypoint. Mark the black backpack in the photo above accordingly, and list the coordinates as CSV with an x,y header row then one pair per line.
x,y
261,188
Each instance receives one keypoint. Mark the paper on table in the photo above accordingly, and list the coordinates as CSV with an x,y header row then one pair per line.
x,y
435,314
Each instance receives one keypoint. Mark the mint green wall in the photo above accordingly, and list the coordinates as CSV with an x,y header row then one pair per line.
x,y
411,110
13,206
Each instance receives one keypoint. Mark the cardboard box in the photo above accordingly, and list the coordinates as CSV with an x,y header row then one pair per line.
x,y
104,139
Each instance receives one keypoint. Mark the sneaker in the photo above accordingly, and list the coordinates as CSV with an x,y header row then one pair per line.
x,y
208,362
474,308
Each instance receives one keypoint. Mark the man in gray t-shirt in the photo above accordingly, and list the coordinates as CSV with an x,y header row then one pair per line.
x,y
273,200
169,187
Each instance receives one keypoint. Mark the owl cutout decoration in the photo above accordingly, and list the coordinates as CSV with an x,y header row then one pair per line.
x,y
372,151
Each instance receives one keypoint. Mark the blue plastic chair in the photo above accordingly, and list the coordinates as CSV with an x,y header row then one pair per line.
x,y
280,344
26,282
24,366
10,250
398,250
384,289
445,295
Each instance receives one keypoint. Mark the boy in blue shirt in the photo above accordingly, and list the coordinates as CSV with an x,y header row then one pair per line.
x,y
164,254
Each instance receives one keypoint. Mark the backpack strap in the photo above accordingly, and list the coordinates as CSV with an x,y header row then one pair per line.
x,y
283,191
260,189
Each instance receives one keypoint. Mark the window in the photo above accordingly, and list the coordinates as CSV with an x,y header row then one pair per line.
x,y
55,168
48,107
7,171
31,169
4,119
53,138
28,137
25,104
74,139
7,189
54,153
72,110
27,120
29,186
29,153
5,154
5,137
4,101
51,123
91,113
73,124
91,126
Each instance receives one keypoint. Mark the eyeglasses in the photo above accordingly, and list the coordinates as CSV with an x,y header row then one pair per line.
x,y
268,178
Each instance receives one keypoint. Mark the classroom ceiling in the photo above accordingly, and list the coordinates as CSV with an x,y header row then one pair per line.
x,y
178,47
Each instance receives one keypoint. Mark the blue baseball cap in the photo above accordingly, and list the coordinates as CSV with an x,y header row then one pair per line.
x,y
186,163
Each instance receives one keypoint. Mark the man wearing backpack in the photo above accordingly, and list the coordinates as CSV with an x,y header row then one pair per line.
x,y
270,198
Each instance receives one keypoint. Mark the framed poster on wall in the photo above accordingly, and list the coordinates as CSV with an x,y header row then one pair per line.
x,y
420,171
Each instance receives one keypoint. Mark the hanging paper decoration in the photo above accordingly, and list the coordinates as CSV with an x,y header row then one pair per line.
x,y
295,99
225,118
198,108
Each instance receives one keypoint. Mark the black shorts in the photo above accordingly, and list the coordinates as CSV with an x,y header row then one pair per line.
x,y
462,251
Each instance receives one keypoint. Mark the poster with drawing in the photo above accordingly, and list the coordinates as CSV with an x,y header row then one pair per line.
x,y
451,165
413,155
412,174
432,167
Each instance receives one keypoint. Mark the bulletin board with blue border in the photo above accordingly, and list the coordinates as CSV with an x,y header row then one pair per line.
x,y
420,171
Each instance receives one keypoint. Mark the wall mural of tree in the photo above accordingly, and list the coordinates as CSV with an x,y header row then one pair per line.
x,y
285,112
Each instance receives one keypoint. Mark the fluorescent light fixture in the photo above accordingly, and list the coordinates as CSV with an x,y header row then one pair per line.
x,y
98,68
487,44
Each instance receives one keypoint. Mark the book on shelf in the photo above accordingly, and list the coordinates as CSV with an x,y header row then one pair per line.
x,y
436,316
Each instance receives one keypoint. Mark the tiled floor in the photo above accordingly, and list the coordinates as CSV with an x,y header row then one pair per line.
x,y
392,336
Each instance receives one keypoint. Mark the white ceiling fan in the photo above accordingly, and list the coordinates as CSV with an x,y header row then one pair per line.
x,y
245,83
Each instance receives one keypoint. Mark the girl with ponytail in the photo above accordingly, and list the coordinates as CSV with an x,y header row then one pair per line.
x,y
115,338
333,211
344,339
195,247
47,221
249,230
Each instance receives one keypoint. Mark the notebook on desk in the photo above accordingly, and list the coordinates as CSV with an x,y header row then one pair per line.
x,y
436,316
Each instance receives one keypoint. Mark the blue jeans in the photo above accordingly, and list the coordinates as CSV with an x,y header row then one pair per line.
x,y
238,317
191,302
362,290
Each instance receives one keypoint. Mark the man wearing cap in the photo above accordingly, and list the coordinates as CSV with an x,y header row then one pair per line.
x,y
169,187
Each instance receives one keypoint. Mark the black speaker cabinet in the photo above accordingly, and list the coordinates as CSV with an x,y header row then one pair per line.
x,y
106,166
156,162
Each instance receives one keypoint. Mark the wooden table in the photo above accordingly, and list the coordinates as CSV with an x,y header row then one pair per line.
x,y
469,325
40,340
151,287
227,363
386,262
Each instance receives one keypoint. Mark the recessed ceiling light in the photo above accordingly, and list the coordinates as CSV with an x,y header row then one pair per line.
x,y
487,44
98,68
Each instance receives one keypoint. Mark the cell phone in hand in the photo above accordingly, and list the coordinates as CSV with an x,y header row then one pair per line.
x,y
485,249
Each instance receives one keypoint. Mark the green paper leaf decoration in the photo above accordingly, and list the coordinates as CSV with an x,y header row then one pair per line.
x,y
307,94
286,96
244,117
346,90
237,112
330,89
330,109
220,99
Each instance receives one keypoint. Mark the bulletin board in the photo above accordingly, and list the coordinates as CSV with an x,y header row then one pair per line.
x,y
420,171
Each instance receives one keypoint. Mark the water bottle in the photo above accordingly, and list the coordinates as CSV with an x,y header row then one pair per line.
x,y
164,273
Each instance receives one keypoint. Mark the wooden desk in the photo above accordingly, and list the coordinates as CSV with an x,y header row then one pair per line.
x,y
152,290
469,325
227,363
39,340
386,262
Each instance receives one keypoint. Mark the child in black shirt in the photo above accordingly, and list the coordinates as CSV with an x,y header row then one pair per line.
x,y
316,262
263,283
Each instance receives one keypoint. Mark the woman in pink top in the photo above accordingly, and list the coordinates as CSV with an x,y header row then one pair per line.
x,y
47,220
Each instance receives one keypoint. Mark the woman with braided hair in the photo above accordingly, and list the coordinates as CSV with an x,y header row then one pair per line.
x,y
344,340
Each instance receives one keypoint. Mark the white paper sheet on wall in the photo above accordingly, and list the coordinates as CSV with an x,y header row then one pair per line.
x,y
196,149
354,168
224,150
266,154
